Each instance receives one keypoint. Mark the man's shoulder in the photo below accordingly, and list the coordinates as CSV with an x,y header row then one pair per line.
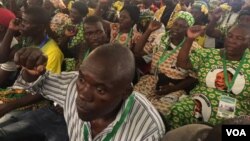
x,y
64,76
145,116
72,74
52,44
52,47
142,104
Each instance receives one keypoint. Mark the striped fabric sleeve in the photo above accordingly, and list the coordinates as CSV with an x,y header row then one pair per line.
x,y
51,86
55,87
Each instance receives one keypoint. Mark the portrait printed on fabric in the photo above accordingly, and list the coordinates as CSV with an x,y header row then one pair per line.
x,y
202,109
216,79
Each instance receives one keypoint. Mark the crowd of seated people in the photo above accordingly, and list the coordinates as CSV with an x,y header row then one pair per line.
x,y
123,70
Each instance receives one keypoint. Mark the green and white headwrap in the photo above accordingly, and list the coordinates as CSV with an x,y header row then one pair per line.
x,y
188,17
202,5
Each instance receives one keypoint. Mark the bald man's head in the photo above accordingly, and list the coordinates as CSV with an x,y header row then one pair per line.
x,y
104,81
114,59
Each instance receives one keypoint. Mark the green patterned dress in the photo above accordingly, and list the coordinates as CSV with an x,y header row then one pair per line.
x,y
75,41
202,105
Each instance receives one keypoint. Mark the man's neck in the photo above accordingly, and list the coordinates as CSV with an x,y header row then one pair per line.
x,y
233,57
98,125
38,39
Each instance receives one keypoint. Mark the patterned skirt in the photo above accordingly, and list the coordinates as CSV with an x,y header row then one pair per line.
x,y
162,103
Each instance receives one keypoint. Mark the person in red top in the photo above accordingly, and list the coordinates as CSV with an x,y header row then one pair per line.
x,y
7,69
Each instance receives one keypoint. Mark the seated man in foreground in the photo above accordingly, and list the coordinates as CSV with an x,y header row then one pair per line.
x,y
98,105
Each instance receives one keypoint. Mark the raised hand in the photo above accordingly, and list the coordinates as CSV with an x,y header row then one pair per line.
x,y
70,31
195,31
154,25
32,59
164,90
216,14
15,24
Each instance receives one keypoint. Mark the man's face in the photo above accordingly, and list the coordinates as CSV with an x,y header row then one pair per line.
x,y
220,81
99,94
94,34
28,28
75,16
236,41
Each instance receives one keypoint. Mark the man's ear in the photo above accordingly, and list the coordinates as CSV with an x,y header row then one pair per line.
x,y
128,91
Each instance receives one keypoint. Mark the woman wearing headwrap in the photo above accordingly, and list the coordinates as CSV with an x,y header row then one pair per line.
x,y
70,32
123,32
199,10
227,68
167,83
149,29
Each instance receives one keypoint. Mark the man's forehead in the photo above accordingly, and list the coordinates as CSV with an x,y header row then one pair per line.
x,y
91,26
27,17
239,30
98,71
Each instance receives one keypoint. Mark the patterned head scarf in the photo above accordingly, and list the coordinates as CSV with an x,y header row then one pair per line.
x,y
59,22
146,13
145,16
202,5
186,16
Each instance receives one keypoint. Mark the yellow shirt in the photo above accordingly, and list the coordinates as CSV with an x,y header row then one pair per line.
x,y
201,40
55,56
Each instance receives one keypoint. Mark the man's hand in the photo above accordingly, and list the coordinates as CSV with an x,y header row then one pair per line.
x,y
70,31
166,89
15,24
4,109
32,59
215,15
195,31
153,25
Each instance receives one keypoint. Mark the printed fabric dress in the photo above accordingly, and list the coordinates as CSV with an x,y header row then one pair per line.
x,y
147,83
206,98
126,39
